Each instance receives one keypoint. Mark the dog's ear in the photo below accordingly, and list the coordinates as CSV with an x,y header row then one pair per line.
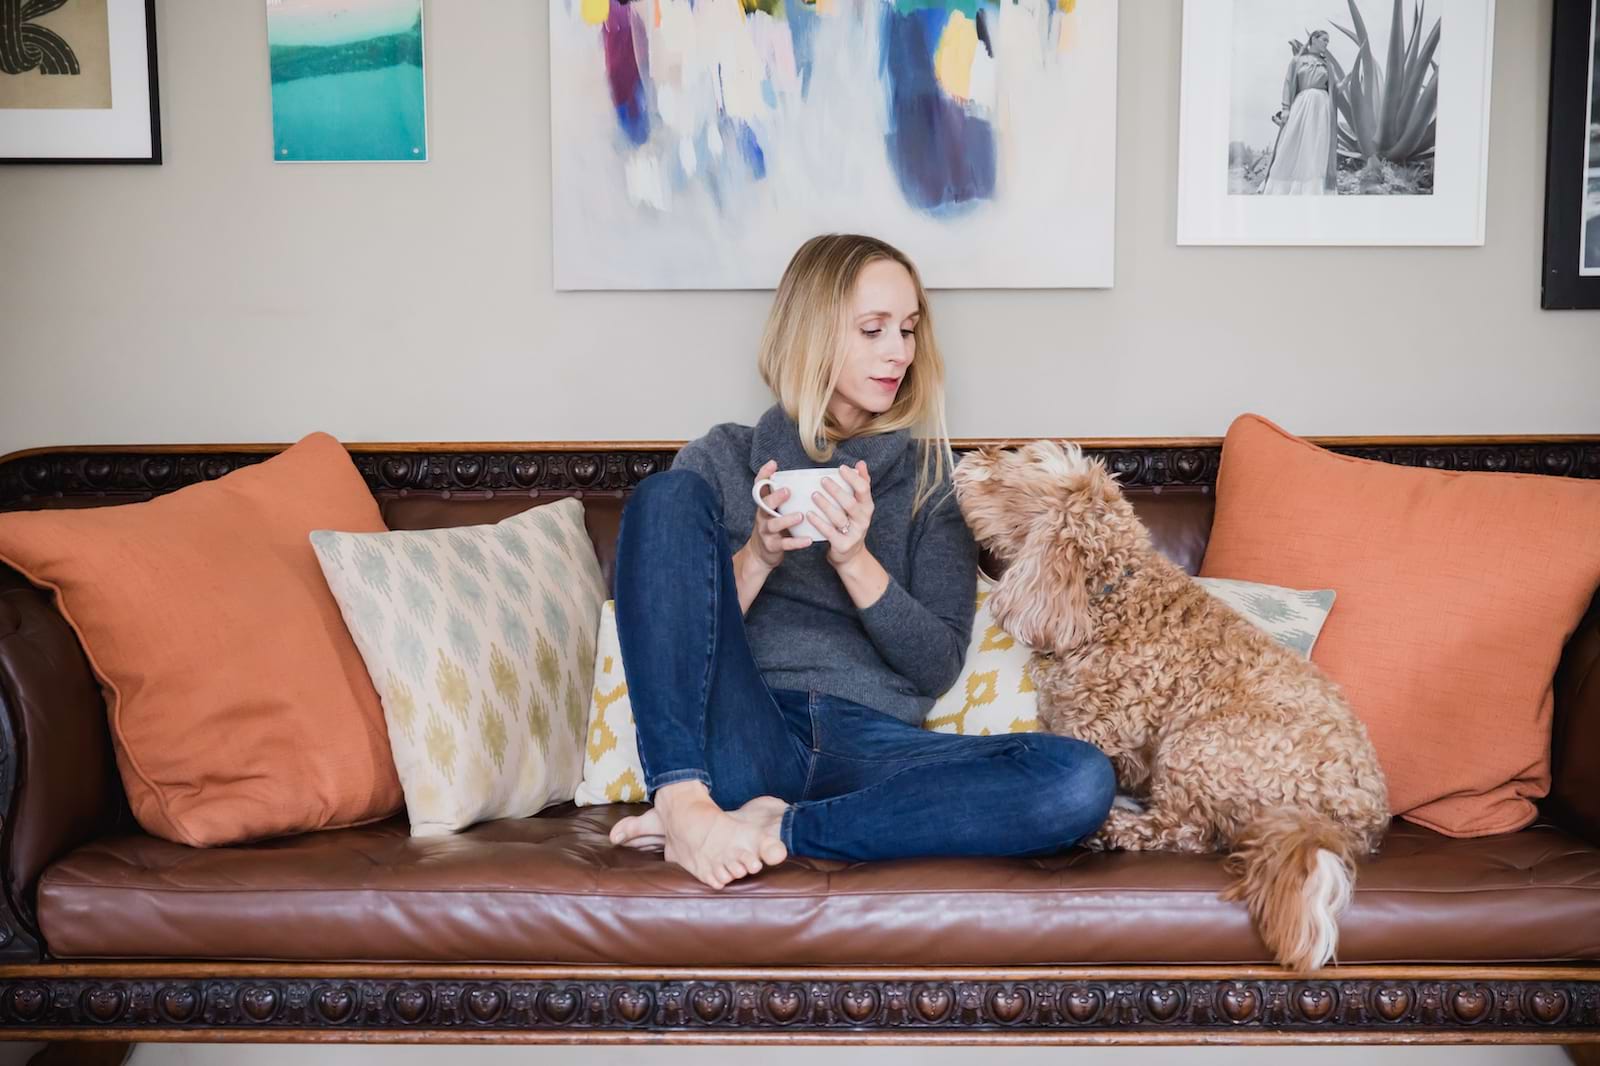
x,y
1042,598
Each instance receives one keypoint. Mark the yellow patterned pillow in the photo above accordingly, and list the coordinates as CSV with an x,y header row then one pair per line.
x,y
994,693
479,642
611,770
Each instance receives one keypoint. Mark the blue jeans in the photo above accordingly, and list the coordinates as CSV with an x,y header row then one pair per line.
x,y
860,783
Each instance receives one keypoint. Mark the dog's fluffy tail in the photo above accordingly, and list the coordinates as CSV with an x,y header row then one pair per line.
x,y
1296,872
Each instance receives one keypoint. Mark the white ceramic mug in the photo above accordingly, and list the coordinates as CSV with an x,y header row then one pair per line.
x,y
801,483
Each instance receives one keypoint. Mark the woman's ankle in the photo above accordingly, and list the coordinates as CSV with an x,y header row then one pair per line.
x,y
678,794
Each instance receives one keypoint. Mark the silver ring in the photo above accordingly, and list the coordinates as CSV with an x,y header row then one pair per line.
x,y
845,528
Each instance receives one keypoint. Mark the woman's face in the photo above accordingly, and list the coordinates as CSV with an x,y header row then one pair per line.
x,y
879,342
1319,44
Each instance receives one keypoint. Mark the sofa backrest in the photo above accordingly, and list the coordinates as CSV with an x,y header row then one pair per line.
x,y
1179,519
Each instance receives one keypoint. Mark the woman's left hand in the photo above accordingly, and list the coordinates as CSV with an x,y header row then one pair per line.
x,y
840,518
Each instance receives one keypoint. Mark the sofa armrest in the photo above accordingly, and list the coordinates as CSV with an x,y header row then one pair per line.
x,y
58,780
1574,800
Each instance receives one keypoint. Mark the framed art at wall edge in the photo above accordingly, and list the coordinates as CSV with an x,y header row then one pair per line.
x,y
1571,277
1335,122
348,81
78,82
695,145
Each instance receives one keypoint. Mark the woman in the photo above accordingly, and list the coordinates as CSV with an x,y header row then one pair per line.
x,y
1305,158
778,686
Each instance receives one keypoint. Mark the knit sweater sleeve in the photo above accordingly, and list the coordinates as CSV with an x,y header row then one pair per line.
x,y
923,631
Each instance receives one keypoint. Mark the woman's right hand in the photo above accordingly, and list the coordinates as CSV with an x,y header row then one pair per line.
x,y
767,540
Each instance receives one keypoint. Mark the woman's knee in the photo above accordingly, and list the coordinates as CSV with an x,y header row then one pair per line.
x,y
674,490
1082,786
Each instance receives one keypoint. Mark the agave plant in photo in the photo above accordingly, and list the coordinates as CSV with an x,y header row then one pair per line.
x,y
1390,111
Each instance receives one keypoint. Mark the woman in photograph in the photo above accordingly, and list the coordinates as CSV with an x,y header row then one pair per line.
x,y
1305,157
779,685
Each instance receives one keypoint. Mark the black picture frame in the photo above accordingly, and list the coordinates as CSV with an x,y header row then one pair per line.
x,y
155,111
1574,81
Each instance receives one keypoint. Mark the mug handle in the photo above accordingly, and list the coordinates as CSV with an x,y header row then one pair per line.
x,y
755,493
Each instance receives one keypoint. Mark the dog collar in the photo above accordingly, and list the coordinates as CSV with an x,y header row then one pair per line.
x,y
1106,591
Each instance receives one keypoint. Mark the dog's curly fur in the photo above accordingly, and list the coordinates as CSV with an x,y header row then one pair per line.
x,y
1231,741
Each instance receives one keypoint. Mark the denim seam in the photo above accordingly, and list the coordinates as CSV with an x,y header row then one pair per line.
x,y
715,614
930,757
811,760
875,786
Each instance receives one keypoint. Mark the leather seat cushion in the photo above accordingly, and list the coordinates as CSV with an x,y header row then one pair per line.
x,y
552,889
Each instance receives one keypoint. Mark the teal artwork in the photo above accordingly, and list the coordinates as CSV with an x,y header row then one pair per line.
x,y
347,80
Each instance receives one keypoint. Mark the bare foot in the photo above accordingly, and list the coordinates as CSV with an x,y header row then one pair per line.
x,y
714,845
766,814
642,831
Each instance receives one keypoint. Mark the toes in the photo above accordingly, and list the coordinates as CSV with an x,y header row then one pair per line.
x,y
773,851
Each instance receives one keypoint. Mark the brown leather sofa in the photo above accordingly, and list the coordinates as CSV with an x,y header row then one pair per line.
x,y
540,930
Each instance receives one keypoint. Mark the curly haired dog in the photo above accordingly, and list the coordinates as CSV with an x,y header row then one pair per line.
x,y
1232,741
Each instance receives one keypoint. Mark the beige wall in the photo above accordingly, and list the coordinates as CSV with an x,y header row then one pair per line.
x,y
222,298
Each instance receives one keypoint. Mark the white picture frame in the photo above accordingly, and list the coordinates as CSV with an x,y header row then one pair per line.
x,y
129,131
626,215
1453,213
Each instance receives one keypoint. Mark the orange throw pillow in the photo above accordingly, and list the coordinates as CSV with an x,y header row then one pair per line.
x,y
239,705
1456,592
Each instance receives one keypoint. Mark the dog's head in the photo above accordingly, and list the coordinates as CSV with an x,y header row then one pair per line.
x,y
1058,521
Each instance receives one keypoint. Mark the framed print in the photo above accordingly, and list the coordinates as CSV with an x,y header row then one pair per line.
x,y
78,82
1352,122
696,143
348,81
1572,176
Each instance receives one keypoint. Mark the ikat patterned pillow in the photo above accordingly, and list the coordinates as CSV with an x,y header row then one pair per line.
x,y
480,641
1292,617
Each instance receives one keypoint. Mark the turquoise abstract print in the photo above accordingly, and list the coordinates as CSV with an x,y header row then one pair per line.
x,y
347,80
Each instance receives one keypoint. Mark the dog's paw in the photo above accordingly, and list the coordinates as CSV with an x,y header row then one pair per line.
x,y
1096,842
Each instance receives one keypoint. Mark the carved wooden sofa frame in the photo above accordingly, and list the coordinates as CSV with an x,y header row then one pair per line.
x,y
49,999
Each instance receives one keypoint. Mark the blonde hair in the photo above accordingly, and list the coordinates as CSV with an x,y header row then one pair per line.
x,y
803,346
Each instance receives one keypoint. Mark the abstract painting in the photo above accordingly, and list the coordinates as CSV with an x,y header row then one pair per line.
x,y
347,80
78,82
697,143
55,53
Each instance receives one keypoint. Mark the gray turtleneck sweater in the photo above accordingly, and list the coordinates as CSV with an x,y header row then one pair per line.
x,y
899,653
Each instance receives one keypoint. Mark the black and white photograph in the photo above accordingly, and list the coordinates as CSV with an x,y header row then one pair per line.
x,y
1571,268
1335,122
1334,97
1591,201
